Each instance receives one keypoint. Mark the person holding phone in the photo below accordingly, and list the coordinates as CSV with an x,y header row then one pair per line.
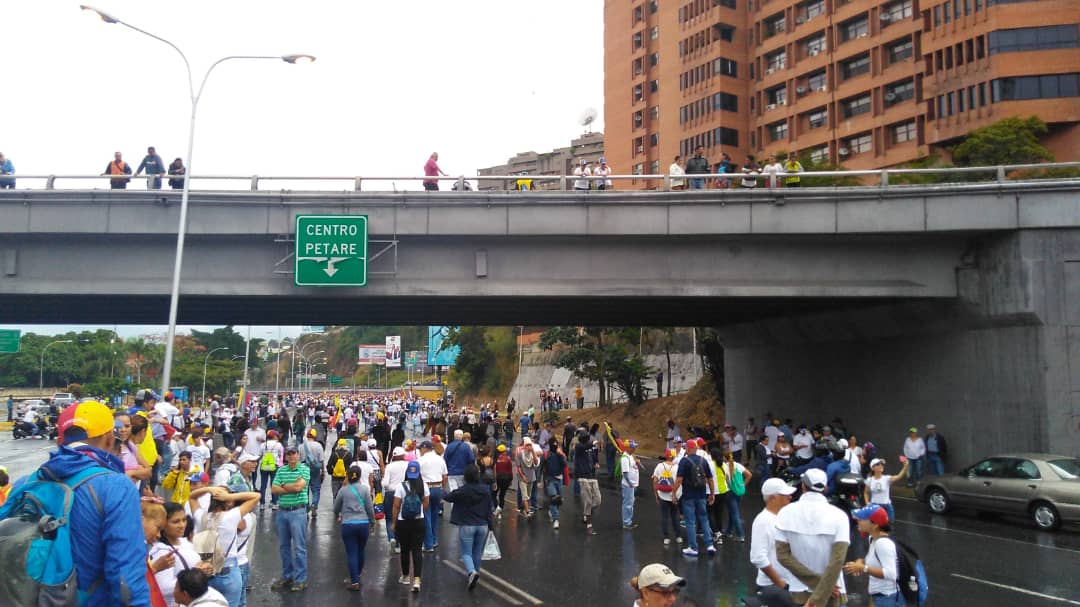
x,y
876,490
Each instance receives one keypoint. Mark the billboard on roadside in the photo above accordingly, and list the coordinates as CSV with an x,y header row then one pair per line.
x,y
313,329
437,355
372,354
393,351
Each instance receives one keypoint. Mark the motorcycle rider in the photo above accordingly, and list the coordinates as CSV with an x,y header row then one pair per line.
x,y
839,465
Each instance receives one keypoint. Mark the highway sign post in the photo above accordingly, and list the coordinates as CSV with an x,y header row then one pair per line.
x,y
9,341
331,250
334,379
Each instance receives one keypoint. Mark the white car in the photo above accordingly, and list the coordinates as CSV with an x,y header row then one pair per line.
x,y
63,399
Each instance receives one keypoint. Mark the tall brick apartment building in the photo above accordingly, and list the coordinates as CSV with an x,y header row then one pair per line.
x,y
865,83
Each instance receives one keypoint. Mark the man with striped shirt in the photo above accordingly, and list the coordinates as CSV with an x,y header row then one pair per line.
x,y
291,487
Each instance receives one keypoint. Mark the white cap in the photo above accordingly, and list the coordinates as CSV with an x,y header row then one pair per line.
x,y
660,575
876,461
842,443
526,441
247,457
398,452
776,486
815,479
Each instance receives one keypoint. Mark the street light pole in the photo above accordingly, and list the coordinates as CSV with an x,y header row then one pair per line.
x,y
247,352
181,230
41,368
205,362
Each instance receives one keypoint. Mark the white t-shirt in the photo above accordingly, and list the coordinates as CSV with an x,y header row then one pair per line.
x,y
630,470
670,471
852,457
185,557
804,445
581,184
255,439
603,171
882,553
432,467
200,454
811,526
772,432
763,552
676,171
400,495
245,539
226,523
394,475
914,448
204,503
879,489
275,447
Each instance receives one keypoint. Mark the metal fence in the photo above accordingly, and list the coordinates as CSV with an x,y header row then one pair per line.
x,y
886,178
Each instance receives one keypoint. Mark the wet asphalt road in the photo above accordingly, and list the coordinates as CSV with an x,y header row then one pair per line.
x,y
971,560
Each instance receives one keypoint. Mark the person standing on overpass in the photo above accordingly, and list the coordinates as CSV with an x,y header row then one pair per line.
x,y
697,165
153,165
7,169
431,169
118,167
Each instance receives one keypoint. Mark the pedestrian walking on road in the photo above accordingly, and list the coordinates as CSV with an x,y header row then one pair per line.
x,y
472,515
777,495
878,484
434,472
355,510
663,479
291,487
554,467
411,505
586,465
881,563
630,468
696,480
504,477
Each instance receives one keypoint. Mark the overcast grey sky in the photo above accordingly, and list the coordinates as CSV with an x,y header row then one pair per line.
x,y
475,80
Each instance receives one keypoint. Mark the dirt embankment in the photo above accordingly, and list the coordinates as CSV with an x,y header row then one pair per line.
x,y
646,423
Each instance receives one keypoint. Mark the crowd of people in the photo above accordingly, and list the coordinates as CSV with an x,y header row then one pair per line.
x,y
396,462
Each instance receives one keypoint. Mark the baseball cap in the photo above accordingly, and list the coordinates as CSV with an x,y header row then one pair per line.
x,y
526,441
842,443
292,449
84,420
913,429
876,461
931,427
413,470
815,479
312,433
669,453
501,448
677,439
398,452
873,513
632,444
145,395
427,445
776,486
659,574
247,457
341,442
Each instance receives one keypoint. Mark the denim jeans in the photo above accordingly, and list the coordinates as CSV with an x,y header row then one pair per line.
x,y
669,514
935,464
431,519
888,600
245,577
697,184
734,526
627,504
695,511
472,538
388,512
915,470
355,537
292,544
316,489
266,479
229,584
552,487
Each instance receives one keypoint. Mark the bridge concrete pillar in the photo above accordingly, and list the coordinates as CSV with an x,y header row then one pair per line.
x,y
997,368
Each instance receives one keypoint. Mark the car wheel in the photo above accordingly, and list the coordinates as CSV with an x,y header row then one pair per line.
x,y
1045,516
937,501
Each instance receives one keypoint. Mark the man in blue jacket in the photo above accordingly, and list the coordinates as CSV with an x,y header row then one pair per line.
x,y
110,559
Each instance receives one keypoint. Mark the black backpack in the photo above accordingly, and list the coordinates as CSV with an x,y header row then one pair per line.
x,y
696,478
911,575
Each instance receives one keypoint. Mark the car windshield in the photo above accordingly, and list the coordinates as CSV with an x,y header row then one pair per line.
x,y
1066,468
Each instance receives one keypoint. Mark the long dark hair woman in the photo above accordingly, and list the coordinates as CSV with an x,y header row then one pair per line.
x,y
411,502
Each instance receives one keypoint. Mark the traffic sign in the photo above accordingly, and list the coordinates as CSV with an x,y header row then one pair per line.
x,y
9,340
331,250
334,379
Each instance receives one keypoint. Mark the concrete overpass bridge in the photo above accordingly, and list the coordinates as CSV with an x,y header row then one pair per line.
x,y
890,306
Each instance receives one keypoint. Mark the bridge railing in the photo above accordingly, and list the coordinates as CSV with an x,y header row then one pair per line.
x,y
885,178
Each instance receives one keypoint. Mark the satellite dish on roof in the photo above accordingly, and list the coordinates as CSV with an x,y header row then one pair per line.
x,y
587,118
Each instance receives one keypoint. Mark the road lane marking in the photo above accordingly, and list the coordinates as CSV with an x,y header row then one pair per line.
x,y
1049,597
485,583
528,597
990,537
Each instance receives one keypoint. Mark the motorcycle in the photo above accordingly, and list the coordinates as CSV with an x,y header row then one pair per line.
x,y
849,493
26,430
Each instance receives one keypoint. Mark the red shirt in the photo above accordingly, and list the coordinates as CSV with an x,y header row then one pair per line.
x,y
431,169
503,465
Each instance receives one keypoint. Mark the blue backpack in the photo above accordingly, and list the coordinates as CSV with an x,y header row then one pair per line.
x,y
411,504
911,576
35,541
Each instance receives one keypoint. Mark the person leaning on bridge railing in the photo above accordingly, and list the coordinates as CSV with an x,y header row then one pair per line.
x,y
118,167
6,168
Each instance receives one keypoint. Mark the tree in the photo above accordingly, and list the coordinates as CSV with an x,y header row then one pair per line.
x,y
474,359
712,357
600,354
1012,140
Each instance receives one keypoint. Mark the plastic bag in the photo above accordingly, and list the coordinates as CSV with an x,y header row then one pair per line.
x,y
491,548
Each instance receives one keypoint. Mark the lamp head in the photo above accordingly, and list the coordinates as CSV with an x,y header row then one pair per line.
x,y
106,17
297,59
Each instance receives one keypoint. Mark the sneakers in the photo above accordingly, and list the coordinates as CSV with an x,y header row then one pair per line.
x,y
555,524
416,585
404,580
589,530
718,538
667,541
474,579
280,585
630,526
711,550
298,586
689,551
428,550
740,540
679,539
395,546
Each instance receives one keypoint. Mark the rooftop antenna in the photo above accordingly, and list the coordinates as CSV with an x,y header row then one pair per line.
x,y
587,118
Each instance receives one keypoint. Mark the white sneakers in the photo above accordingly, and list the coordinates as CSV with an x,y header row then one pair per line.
x,y
555,524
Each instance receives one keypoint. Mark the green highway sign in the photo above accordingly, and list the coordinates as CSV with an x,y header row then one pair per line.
x,y
334,379
331,250
9,341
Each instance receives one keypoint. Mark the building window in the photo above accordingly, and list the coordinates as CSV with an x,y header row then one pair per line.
x,y
856,66
900,91
982,94
777,131
654,112
639,93
858,144
901,50
725,136
941,107
817,118
725,3
726,102
946,10
639,119
956,10
971,97
776,96
654,59
638,169
816,82
654,32
638,67
638,41
773,25
855,106
725,67
895,11
654,85
819,155
815,45
639,146
947,51
858,27
904,132
653,7
723,31
980,47
1034,38
775,61
1050,86
937,15
960,101
639,14
809,10
654,140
